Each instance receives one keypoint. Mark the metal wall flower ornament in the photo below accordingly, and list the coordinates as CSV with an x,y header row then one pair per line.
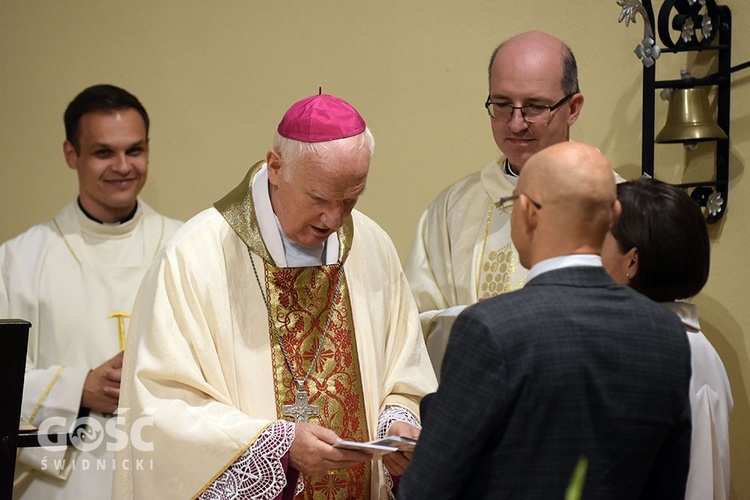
x,y
687,18
714,204
688,30
707,27
707,197
647,51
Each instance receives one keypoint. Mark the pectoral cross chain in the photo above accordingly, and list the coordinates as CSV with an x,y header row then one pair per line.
x,y
301,410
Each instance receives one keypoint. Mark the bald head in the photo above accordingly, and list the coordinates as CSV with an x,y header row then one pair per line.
x,y
575,186
537,49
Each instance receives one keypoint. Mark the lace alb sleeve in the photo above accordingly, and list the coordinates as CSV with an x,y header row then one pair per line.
x,y
258,473
395,414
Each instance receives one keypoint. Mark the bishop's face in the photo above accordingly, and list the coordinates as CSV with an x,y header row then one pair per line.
x,y
318,197
111,162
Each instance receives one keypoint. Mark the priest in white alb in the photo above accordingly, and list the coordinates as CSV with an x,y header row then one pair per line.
x,y
274,325
75,278
462,251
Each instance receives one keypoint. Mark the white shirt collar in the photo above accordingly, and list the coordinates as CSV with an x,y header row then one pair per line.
x,y
271,233
564,261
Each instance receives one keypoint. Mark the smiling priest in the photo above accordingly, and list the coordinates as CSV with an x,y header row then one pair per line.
x,y
275,324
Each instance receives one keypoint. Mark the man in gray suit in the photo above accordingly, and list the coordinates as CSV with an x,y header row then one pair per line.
x,y
572,365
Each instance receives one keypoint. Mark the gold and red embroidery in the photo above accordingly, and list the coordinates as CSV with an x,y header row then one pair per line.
x,y
300,300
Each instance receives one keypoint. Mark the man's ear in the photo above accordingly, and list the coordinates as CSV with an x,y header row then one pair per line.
x,y
273,164
632,259
529,214
616,212
71,157
576,104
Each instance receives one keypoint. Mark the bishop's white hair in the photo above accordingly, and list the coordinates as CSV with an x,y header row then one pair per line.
x,y
292,151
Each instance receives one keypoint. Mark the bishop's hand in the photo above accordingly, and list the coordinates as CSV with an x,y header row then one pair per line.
x,y
398,461
312,452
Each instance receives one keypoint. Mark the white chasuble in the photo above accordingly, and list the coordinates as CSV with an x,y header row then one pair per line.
x,y
199,360
463,244
75,280
462,252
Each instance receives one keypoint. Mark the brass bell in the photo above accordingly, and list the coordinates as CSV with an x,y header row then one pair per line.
x,y
689,118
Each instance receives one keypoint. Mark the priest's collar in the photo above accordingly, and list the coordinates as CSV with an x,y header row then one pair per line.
x,y
125,219
508,170
509,173
248,211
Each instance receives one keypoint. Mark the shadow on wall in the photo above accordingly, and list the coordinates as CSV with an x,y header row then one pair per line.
x,y
727,337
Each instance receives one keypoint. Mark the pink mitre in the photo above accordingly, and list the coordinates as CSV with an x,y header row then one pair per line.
x,y
321,118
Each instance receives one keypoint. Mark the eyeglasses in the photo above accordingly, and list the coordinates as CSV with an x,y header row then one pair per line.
x,y
506,202
532,113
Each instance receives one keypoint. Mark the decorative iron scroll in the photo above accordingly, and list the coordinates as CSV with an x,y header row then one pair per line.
x,y
647,51
686,25
692,21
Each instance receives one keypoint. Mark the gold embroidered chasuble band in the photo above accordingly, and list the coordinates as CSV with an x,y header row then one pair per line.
x,y
499,270
300,302
334,385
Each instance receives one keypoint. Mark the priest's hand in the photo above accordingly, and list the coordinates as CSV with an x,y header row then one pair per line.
x,y
312,452
101,391
398,461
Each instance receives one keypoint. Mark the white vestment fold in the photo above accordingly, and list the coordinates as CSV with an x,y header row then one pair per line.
x,y
462,252
711,406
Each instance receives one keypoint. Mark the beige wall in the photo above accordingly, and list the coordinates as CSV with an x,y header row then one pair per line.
x,y
217,76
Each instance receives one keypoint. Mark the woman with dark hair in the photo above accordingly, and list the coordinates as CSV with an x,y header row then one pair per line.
x,y
660,247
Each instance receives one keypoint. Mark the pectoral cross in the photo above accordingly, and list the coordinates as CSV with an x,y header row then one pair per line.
x,y
120,326
301,410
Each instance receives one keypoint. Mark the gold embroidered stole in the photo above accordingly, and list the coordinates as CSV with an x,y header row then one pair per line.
x,y
300,300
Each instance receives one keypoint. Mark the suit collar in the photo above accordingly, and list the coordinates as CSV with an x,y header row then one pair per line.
x,y
573,276
563,261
